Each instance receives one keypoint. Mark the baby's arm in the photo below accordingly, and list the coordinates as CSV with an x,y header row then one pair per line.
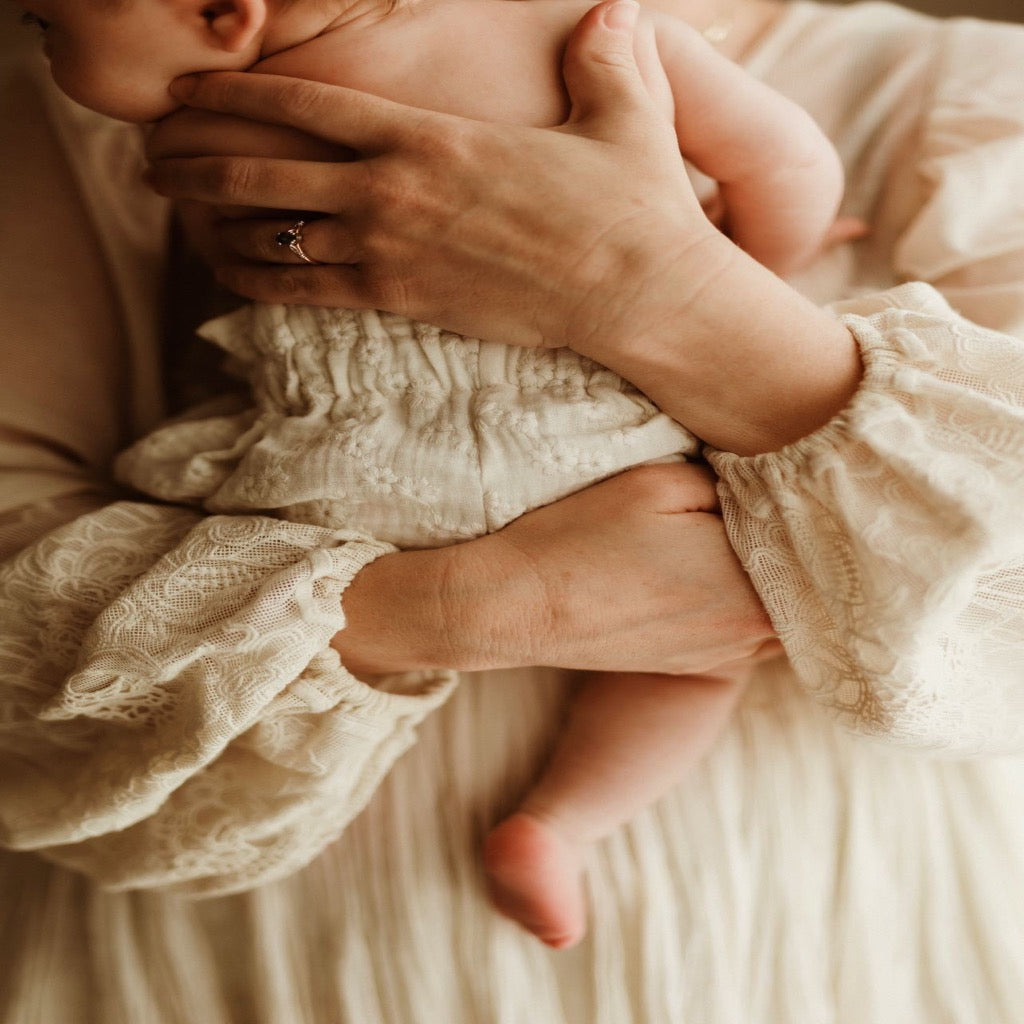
x,y
780,180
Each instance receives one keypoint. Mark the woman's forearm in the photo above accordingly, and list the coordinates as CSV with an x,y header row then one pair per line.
x,y
631,574
733,352
456,607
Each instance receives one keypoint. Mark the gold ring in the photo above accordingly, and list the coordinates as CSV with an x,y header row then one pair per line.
x,y
291,239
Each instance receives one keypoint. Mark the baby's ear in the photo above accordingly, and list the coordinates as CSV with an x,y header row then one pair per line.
x,y
234,25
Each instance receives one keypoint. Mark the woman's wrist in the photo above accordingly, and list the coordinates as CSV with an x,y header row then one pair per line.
x,y
730,350
438,609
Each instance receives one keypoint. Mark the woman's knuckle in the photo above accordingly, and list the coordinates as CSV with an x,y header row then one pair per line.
x,y
212,172
448,143
294,286
388,291
236,178
258,243
372,241
389,192
615,57
304,101
217,92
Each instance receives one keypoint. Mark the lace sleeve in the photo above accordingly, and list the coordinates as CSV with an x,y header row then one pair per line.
x,y
171,712
888,547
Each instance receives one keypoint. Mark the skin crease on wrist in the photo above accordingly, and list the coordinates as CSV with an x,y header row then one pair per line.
x,y
732,383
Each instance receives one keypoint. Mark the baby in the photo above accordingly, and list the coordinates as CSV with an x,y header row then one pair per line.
x,y
368,421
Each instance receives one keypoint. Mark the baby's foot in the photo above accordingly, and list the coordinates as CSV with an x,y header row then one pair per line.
x,y
534,877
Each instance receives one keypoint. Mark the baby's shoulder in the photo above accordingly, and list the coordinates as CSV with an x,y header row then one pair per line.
x,y
492,60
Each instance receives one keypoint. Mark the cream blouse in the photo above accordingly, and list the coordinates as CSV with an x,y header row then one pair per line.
x,y
173,720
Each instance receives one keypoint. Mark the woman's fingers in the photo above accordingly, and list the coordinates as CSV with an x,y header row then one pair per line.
x,y
634,575
328,285
504,232
671,488
600,71
344,116
326,240
260,182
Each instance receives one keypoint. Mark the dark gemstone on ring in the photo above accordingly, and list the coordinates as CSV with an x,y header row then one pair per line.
x,y
286,237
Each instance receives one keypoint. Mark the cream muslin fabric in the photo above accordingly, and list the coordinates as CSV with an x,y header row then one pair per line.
x,y
421,437
804,873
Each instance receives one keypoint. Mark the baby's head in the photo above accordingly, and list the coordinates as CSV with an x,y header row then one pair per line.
x,y
119,56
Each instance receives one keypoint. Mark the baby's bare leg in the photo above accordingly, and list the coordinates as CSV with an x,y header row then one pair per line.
x,y
628,739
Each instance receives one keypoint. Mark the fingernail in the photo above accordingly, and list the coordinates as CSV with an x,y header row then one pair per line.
x,y
182,88
622,15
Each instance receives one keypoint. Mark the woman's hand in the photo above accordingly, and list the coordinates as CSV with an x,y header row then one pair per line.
x,y
506,232
632,574
587,235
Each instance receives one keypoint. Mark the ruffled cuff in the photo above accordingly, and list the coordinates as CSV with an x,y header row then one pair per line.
x,y
871,540
207,737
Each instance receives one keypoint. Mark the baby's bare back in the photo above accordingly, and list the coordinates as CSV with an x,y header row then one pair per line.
x,y
492,60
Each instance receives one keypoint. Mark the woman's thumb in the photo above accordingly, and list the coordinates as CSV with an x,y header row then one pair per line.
x,y
600,66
